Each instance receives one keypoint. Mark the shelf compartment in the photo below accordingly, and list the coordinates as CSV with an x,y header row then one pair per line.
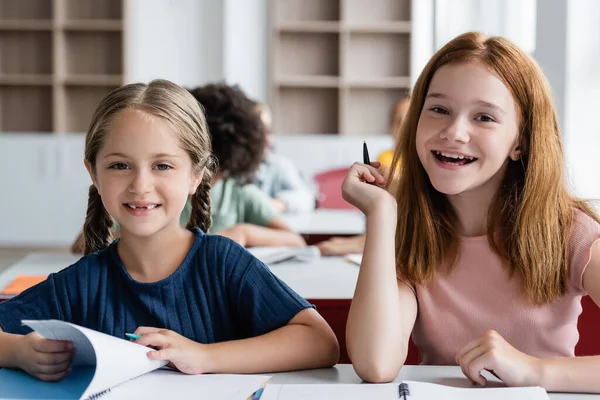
x,y
93,25
25,52
378,55
370,111
377,10
81,102
25,108
308,10
25,9
308,54
93,9
307,111
379,27
25,25
381,83
93,80
94,53
317,81
25,79
309,26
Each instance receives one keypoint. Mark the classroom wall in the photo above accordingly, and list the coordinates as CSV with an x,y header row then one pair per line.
x,y
43,184
568,50
179,40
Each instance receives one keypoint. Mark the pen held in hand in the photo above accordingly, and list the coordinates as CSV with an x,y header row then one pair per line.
x,y
132,336
366,159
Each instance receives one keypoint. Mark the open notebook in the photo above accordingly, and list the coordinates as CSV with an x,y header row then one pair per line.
x,y
405,390
108,367
276,254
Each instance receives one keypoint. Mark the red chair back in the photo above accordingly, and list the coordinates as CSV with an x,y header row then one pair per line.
x,y
330,190
589,329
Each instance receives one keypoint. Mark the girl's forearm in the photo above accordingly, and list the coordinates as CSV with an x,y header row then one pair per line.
x,y
263,236
292,347
8,345
376,337
570,374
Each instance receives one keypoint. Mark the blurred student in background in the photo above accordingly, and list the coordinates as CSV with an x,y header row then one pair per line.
x,y
278,176
397,114
240,210
339,246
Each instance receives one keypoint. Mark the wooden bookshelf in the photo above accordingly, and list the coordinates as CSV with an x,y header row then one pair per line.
x,y
58,58
338,66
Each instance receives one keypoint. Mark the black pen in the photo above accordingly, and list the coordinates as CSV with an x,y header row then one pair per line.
x,y
366,159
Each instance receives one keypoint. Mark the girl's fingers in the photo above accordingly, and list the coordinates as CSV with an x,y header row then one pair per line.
x,y
468,347
54,358
53,369
477,365
52,346
52,377
163,354
143,330
155,339
466,363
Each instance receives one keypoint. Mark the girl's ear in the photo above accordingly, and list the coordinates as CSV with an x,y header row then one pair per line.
x,y
196,181
518,151
88,166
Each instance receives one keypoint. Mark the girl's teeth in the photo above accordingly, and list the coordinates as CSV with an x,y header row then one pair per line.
x,y
153,206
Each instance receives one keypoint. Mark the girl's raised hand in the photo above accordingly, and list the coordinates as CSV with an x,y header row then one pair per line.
x,y
45,359
357,192
182,353
493,353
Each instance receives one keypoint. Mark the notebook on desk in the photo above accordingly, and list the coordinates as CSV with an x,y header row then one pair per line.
x,y
108,367
277,254
407,390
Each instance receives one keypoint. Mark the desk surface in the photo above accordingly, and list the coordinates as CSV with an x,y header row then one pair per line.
x,y
447,375
325,278
327,222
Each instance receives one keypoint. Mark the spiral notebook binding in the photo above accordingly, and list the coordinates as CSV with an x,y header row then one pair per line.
x,y
96,396
403,391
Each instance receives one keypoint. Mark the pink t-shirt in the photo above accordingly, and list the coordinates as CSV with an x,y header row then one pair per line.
x,y
479,295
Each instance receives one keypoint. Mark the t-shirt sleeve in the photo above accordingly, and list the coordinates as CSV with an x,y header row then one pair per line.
x,y
38,302
584,233
261,302
258,209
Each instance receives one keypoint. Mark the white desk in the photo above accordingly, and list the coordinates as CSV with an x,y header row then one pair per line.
x,y
325,278
327,222
451,376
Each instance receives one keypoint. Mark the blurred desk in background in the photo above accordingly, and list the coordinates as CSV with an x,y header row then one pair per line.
x,y
321,224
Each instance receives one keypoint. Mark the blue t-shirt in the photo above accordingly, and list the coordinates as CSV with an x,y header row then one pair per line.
x,y
220,292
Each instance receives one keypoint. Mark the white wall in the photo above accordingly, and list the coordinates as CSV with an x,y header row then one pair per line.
x,y
245,46
582,96
179,40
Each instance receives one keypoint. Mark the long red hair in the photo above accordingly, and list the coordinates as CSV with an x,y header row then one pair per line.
x,y
530,219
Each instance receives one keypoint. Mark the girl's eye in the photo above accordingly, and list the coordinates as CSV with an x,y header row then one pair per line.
x,y
163,167
119,166
484,118
439,110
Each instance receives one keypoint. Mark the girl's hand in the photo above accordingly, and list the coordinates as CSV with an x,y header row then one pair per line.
x,y
491,352
45,359
182,353
357,192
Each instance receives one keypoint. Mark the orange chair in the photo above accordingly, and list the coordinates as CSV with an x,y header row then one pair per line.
x,y
330,190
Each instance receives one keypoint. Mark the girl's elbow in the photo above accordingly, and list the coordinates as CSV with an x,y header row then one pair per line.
x,y
377,372
328,350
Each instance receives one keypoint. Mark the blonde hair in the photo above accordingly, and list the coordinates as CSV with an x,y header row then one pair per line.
x,y
180,110
530,219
